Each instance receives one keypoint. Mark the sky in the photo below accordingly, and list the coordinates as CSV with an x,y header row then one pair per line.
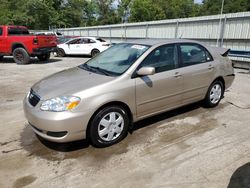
x,y
198,1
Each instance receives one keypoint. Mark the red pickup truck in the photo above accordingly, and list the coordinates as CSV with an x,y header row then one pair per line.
x,y
17,41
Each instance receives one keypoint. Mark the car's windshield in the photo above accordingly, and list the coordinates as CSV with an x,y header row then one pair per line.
x,y
115,60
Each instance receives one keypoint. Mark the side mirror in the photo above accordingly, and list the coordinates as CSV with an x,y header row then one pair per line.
x,y
145,71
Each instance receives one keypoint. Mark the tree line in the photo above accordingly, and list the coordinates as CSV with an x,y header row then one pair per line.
x,y
45,14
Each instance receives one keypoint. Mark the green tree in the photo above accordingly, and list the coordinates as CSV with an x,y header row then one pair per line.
x,y
179,8
211,7
105,13
145,10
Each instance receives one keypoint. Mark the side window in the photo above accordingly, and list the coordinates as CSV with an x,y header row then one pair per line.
x,y
86,41
193,54
75,41
91,41
1,31
162,58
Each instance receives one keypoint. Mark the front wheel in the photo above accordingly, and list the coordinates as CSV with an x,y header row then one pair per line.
x,y
214,94
44,57
109,126
21,56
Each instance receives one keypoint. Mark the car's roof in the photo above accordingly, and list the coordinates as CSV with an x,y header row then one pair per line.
x,y
94,38
152,42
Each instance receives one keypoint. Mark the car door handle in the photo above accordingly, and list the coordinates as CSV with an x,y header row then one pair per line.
x,y
210,67
177,75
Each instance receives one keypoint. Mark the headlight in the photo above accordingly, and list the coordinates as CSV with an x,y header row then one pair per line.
x,y
60,104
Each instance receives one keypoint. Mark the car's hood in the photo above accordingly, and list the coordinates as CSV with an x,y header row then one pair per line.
x,y
68,82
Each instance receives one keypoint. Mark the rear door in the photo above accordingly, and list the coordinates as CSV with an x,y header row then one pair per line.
x,y
197,71
163,90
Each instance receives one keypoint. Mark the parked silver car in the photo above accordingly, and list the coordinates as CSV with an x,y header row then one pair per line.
x,y
100,99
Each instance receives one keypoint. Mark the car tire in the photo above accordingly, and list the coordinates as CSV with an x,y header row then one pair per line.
x,y
109,126
44,57
21,56
1,58
214,94
95,52
60,52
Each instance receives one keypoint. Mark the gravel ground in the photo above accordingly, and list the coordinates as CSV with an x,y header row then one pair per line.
x,y
187,147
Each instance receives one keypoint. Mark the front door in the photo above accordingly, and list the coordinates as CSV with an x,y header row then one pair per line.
x,y
161,91
73,46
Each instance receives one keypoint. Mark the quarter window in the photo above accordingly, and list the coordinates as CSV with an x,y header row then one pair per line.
x,y
162,58
193,54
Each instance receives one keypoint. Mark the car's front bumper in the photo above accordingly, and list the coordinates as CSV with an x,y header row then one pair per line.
x,y
56,126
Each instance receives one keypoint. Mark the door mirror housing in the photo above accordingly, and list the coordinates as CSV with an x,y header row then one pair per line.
x,y
145,71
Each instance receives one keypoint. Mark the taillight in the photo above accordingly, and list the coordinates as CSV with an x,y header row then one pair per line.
x,y
35,41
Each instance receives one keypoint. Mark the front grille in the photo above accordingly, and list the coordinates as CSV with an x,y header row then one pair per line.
x,y
33,98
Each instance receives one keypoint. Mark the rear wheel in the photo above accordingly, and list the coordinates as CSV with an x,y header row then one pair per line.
x,y
95,52
214,94
21,56
44,57
109,126
1,58
60,52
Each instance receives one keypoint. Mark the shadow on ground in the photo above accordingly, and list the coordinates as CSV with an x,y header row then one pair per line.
x,y
7,60
241,177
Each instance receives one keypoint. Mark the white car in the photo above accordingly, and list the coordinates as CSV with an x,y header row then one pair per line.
x,y
82,46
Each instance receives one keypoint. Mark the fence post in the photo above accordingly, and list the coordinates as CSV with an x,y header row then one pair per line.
x,y
176,29
110,36
125,32
146,31
223,31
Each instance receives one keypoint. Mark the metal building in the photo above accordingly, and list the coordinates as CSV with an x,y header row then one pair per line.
x,y
227,30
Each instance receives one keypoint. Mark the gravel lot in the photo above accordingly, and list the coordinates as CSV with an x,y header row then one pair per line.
x,y
187,147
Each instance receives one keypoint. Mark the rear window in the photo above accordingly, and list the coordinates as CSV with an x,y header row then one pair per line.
x,y
1,31
101,40
17,31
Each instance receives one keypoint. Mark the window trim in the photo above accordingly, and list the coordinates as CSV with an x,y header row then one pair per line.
x,y
181,64
134,75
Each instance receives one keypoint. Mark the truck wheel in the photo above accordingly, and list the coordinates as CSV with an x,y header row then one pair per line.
x,y
60,52
44,57
1,58
21,56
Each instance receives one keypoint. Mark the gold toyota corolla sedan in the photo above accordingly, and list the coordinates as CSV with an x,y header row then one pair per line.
x,y
99,100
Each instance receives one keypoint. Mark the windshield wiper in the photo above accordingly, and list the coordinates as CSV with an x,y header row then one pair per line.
x,y
100,70
85,67
94,69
